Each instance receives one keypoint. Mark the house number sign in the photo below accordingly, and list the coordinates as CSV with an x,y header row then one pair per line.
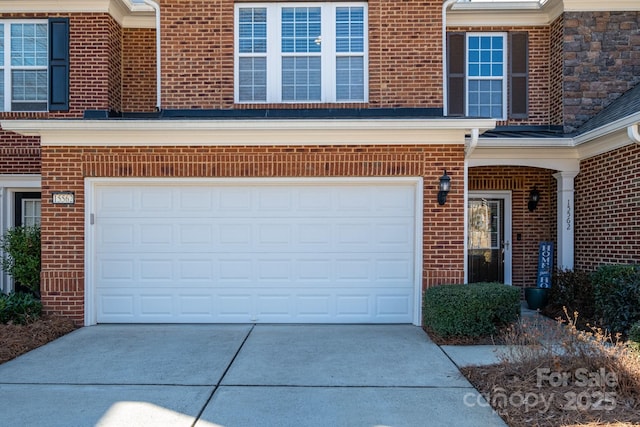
x,y
63,198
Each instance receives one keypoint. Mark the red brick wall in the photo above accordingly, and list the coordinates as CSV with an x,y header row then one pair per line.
x,y
138,69
405,55
115,66
91,75
534,227
94,64
539,71
19,154
65,168
607,209
556,69
94,84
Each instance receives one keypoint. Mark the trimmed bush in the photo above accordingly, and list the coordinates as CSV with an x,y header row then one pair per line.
x,y
474,310
617,296
573,289
634,337
19,308
21,247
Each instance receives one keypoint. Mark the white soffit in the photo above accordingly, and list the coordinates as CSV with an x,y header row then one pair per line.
x,y
503,13
247,132
527,13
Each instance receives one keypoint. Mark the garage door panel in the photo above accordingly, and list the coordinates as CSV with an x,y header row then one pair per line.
x,y
254,305
236,270
260,253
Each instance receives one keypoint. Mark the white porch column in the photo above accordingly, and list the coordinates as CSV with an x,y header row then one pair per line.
x,y
566,220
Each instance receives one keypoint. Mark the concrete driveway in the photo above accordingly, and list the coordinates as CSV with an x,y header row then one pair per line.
x,y
239,375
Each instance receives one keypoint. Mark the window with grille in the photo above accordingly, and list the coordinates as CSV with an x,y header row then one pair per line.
x,y
301,52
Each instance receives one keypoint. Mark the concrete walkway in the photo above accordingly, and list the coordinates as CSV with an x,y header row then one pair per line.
x,y
477,355
240,375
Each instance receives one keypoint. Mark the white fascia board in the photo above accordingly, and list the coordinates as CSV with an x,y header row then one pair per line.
x,y
525,143
556,158
247,132
602,144
601,6
20,180
125,12
60,6
606,138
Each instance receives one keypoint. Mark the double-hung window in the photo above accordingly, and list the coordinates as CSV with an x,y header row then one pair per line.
x,y
33,69
301,52
487,75
24,61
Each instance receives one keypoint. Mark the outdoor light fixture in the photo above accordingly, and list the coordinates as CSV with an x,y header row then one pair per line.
x,y
444,187
534,198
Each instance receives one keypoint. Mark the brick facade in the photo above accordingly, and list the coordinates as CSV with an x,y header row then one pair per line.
x,y
405,55
556,39
573,74
539,71
533,227
138,70
94,84
607,204
65,169
601,61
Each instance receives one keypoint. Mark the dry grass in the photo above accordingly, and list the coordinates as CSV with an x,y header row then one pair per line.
x,y
558,375
19,339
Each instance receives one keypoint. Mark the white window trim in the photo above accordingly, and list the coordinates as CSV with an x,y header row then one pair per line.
x,y
505,62
7,67
274,54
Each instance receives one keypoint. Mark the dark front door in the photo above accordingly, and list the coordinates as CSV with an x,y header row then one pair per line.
x,y
486,240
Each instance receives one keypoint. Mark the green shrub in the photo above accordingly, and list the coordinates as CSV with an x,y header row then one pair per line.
x,y
475,310
19,308
21,247
617,296
634,337
573,289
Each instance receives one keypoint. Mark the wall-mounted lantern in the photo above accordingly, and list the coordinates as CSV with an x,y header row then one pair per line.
x,y
443,188
534,198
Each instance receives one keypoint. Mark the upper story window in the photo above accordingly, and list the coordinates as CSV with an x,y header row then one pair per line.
x,y
34,63
24,62
301,52
487,75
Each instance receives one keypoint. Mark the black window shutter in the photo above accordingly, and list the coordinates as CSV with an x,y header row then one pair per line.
x,y
519,76
455,74
58,64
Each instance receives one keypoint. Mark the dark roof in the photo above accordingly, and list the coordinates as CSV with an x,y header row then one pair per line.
x,y
524,132
274,113
625,105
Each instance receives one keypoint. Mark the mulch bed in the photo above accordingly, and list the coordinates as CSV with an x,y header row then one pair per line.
x,y
519,398
19,339
497,339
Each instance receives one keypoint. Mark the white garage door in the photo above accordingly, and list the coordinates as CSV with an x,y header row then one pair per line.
x,y
258,251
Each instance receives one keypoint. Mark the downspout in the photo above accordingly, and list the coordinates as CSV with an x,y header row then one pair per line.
x,y
445,95
475,135
634,133
156,7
